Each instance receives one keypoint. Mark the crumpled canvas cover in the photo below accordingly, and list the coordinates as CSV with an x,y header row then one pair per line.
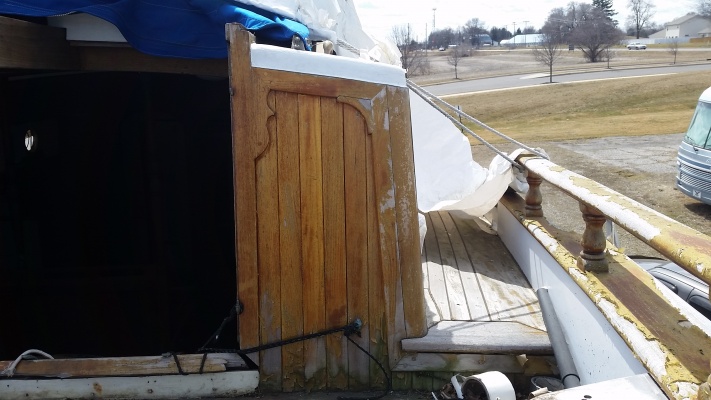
x,y
446,174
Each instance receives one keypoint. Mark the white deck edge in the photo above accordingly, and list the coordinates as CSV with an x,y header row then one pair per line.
x,y
598,351
306,62
638,387
219,384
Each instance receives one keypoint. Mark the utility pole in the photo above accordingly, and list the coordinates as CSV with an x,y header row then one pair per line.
x,y
525,39
427,40
514,34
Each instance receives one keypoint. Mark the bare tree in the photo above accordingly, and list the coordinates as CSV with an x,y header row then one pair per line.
x,y
548,52
609,54
454,57
594,32
673,48
703,8
641,12
413,61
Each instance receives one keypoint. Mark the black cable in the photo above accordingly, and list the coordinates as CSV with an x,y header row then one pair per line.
x,y
387,377
348,330
177,363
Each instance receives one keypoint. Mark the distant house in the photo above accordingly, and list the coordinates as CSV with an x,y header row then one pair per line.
x,y
690,25
659,34
531,39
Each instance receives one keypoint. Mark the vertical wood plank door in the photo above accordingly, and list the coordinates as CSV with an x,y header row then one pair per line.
x,y
326,222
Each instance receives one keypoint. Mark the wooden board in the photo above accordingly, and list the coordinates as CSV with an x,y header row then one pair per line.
x,y
219,384
508,294
335,239
29,45
122,366
474,363
318,220
312,238
469,278
268,235
435,273
481,338
290,240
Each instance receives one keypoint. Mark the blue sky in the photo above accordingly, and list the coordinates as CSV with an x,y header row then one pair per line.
x,y
379,16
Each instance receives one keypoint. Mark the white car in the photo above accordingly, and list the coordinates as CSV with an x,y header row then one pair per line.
x,y
636,46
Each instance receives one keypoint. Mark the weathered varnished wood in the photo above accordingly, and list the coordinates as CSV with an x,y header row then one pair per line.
x,y
123,366
290,250
461,273
435,273
507,293
468,363
534,198
245,131
312,237
268,235
356,196
484,337
410,295
334,240
592,257
470,282
378,321
345,223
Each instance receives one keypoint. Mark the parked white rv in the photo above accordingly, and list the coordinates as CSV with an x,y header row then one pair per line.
x,y
694,160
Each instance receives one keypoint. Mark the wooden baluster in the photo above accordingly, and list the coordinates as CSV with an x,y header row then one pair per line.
x,y
533,196
592,258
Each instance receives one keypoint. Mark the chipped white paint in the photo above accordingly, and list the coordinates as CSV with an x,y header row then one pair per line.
x,y
687,390
598,350
306,62
544,238
577,274
648,351
609,204
677,242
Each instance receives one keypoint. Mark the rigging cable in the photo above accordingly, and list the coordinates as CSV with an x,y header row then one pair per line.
x,y
428,97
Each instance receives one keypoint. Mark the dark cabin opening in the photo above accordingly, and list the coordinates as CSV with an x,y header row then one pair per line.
x,y
117,220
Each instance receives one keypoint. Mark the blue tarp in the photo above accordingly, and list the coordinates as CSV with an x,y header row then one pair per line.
x,y
171,28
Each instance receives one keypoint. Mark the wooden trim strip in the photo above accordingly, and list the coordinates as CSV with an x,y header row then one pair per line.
x,y
123,366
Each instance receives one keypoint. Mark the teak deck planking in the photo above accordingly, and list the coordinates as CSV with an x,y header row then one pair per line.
x,y
466,282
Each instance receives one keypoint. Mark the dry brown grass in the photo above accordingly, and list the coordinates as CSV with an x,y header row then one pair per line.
x,y
632,106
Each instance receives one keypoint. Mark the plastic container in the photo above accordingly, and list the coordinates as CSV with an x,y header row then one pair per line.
x,y
493,384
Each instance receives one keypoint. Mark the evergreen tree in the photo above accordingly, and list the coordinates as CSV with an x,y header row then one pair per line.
x,y
606,7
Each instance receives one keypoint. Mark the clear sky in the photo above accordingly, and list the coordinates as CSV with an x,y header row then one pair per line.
x,y
379,16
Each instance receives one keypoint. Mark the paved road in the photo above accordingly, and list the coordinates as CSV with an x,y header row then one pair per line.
x,y
513,81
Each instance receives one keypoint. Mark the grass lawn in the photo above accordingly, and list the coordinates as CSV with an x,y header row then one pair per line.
x,y
618,107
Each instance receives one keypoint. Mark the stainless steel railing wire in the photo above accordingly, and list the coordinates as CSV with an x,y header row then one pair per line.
x,y
435,102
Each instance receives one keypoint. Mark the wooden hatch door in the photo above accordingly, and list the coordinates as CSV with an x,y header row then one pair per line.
x,y
325,212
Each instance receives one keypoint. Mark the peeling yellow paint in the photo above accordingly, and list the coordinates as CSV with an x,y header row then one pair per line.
x,y
675,377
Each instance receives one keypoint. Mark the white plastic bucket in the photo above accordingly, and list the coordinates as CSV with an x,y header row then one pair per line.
x,y
493,383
